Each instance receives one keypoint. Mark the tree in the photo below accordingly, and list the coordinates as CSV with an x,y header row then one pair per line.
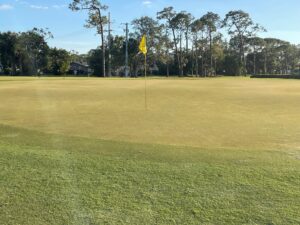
x,y
241,26
34,43
95,20
218,48
188,19
211,22
117,52
177,44
153,30
181,22
24,53
256,44
150,27
133,45
180,26
197,28
8,49
271,55
279,56
76,57
168,14
94,59
59,61
163,52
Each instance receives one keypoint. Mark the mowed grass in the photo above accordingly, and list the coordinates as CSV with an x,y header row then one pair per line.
x,y
208,151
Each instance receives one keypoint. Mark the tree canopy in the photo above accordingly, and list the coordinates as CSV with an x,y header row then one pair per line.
x,y
179,44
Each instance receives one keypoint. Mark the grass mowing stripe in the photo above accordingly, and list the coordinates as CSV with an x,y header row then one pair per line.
x,y
97,184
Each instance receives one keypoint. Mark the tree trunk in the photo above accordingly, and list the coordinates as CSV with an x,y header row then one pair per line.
x,y
13,65
254,61
197,66
202,65
103,55
176,47
180,60
20,65
168,72
286,65
103,43
187,42
193,56
242,55
196,61
265,63
215,67
186,50
210,52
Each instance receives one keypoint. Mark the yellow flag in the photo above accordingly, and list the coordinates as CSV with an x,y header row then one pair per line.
x,y
143,45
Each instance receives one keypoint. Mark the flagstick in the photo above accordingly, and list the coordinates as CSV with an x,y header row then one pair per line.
x,y
146,105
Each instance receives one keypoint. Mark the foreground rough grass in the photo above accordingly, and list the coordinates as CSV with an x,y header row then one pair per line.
x,y
222,151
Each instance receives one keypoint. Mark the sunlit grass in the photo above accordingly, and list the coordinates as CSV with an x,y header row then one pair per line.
x,y
208,151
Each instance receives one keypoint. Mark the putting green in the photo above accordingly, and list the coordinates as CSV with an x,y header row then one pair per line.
x,y
213,113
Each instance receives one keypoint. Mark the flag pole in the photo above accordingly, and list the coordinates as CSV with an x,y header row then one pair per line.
x,y
146,104
143,49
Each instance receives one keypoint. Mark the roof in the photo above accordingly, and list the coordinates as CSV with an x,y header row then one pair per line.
x,y
79,64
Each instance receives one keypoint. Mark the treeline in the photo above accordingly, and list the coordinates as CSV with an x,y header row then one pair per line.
x,y
27,53
184,45
178,44
181,44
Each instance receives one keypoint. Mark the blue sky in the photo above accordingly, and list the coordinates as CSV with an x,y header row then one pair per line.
x,y
280,17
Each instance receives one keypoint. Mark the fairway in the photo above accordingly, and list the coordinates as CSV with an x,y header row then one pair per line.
x,y
207,151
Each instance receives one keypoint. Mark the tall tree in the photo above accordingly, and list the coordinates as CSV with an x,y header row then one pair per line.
x,y
95,20
8,49
150,27
168,14
35,44
257,44
240,26
197,28
270,51
181,22
211,22
188,20
163,51
218,49
153,30
117,52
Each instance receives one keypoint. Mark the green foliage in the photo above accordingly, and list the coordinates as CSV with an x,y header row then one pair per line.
x,y
35,49
232,65
24,53
8,52
240,27
178,44
94,59
59,61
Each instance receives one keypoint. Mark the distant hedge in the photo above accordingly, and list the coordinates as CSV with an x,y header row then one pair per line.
x,y
277,76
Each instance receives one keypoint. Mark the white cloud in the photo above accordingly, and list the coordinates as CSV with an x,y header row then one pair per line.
x,y
147,3
6,7
39,7
59,6
22,2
